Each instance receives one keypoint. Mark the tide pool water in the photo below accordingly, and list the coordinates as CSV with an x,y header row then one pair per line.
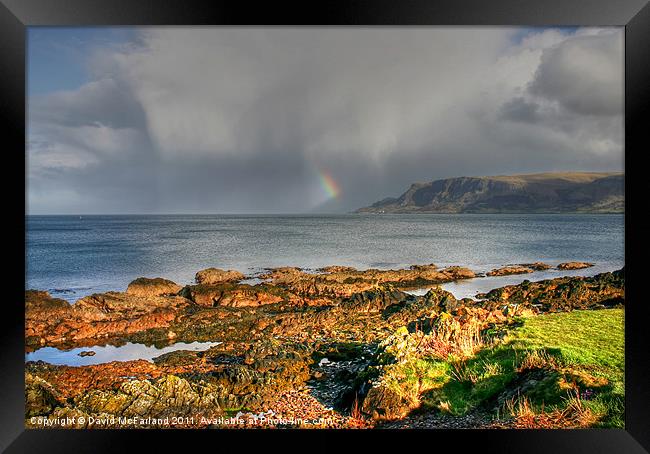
x,y
469,288
108,353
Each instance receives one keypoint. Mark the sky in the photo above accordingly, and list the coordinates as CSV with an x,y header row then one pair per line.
x,y
308,120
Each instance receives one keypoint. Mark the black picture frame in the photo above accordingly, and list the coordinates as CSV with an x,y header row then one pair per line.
x,y
634,15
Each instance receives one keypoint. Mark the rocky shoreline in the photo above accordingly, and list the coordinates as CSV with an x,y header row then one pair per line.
x,y
298,349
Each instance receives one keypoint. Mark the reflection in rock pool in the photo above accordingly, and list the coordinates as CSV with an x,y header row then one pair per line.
x,y
108,353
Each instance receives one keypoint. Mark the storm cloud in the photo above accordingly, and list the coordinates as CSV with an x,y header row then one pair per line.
x,y
236,120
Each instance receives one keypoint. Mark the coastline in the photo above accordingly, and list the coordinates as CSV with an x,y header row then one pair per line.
x,y
101,254
317,338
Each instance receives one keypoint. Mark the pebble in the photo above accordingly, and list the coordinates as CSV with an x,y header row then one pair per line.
x,y
437,420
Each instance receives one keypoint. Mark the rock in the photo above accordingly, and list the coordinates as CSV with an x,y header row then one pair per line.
x,y
235,295
374,300
408,310
508,270
158,286
344,282
441,300
179,383
338,330
97,316
337,269
87,353
168,396
217,276
560,294
382,403
74,419
454,273
40,396
37,300
429,267
117,304
537,266
177,358
338,305
70,381
574,265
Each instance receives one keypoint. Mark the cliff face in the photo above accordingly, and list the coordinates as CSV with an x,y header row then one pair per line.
x,y
535,193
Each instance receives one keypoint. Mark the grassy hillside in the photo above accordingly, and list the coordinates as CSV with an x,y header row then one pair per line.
x,y
543,192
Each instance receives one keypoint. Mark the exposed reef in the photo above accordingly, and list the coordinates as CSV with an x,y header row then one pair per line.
x,y
299,343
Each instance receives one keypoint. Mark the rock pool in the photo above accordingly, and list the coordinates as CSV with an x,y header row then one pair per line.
x,y
108,353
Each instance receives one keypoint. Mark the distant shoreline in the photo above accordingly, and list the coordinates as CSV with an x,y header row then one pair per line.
x,y
314,214
560,192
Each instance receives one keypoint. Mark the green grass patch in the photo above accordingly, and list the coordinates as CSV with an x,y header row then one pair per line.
x,y
592,344
231,412
469,382
583,337
551,356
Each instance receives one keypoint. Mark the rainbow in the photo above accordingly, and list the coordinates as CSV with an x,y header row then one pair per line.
x,y
330,185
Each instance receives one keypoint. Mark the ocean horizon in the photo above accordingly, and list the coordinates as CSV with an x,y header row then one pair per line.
x,y
75,255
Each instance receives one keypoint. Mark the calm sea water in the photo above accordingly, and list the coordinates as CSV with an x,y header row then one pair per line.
x,y
72,256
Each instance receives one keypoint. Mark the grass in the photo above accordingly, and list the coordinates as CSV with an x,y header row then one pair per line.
x,y
574,414
582,337
230,412
554,370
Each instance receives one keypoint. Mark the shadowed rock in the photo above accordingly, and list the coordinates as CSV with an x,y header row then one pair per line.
x,y
236,295
561,294
37,300
40,396
384,404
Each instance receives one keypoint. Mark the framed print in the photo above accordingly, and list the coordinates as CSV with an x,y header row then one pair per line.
x,y
363,219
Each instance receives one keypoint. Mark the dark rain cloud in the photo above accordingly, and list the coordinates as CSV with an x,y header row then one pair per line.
x,y
227,120
519,109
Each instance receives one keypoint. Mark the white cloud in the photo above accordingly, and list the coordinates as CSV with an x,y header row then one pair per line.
x,y
584,74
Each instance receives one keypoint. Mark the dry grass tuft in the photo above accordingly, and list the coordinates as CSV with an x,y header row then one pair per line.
x,y
573,416
445,406
448,336
538,359
462,373
357,419
355,411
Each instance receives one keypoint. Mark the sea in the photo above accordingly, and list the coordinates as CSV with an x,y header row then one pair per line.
x,y
74,256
